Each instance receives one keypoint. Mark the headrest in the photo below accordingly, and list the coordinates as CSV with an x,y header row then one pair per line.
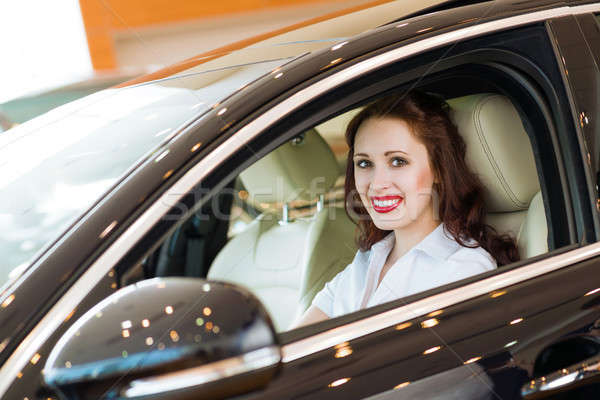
x,y
498,150
301,169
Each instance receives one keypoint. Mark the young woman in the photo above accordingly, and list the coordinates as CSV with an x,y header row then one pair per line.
x,y
418,207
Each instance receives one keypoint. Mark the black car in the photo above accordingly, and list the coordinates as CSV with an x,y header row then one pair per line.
x,y
160,239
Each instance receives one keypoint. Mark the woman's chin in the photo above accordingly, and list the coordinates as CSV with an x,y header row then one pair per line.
x,y
389,223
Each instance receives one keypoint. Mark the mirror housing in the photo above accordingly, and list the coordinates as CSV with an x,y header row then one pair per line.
x,y
167,338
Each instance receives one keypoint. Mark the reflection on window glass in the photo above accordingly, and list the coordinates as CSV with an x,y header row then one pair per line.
x,y
58,165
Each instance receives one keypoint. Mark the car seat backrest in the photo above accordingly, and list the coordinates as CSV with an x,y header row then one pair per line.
x,y
285,262
301,169
499,151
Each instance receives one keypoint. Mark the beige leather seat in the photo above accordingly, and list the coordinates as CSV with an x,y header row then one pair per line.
x,y
285,263
499,150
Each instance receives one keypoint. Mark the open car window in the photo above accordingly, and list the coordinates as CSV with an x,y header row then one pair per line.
x,y
277,223
280,228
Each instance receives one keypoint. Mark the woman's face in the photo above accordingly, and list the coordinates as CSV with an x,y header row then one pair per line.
x,y
393,175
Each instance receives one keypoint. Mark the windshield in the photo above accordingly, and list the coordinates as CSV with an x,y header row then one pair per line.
x,y
57,166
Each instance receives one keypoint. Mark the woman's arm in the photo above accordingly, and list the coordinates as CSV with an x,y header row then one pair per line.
x,y
325,299
311,316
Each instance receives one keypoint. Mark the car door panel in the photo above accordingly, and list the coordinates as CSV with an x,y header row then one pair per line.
x,y
507,330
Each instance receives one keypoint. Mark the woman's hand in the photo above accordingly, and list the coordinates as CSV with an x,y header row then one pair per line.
x,y
311,316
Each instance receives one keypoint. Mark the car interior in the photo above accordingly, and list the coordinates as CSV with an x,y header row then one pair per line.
x,y
285,232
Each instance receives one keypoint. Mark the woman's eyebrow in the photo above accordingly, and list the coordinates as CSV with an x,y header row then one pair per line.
x,y
361,155
387,153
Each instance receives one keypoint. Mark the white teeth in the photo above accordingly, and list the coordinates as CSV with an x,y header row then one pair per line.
x,y
385,203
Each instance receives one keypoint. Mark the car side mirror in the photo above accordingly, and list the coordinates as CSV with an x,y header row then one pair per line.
x,y
167,338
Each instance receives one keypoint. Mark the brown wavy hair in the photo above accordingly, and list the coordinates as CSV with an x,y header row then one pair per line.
x,y
460,192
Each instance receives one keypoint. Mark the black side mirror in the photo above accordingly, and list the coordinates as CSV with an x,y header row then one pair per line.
x,y
167,338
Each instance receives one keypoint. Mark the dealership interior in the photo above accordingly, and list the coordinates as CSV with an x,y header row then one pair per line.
x,y
104,43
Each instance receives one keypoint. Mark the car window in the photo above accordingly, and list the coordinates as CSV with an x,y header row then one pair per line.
x,y
57,167
280,228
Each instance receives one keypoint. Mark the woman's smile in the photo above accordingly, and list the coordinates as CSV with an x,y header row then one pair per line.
x,y
385,204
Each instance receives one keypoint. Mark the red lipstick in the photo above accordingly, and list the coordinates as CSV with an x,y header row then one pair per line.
x,y
385,204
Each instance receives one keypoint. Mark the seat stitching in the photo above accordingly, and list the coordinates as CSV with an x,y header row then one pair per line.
x,y
486,148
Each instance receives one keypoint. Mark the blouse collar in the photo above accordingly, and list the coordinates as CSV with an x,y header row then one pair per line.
x,y
438,243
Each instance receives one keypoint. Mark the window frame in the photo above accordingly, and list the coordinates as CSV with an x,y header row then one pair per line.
x,y
583,180
289,126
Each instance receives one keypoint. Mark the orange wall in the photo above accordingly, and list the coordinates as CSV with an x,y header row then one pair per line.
x,y
102,18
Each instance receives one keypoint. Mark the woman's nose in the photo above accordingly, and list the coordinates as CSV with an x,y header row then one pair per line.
x,y
381,179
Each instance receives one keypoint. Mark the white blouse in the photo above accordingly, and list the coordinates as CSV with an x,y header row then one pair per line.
x,y
437,260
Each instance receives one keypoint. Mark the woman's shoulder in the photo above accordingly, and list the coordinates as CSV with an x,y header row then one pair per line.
x,y
467,253
476,257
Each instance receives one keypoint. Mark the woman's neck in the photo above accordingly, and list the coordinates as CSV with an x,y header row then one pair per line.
x,y
409,236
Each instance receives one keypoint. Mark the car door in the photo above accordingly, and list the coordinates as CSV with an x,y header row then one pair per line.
x,y
525,332
488,344
477,337
485,339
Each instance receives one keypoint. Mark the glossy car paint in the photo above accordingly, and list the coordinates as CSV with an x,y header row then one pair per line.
x,y
183,322
506,330
367,353
573,51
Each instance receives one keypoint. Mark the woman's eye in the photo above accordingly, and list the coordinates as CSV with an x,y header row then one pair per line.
x,y
363,163
398,162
